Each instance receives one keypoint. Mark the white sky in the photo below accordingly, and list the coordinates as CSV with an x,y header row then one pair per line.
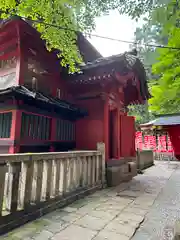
x,y
115,26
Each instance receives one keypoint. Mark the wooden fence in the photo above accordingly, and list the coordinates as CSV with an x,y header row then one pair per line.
x,y
34,184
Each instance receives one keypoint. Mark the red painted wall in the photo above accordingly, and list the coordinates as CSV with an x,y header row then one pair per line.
x,y
127,136
174,133
31,51
90,130
96,128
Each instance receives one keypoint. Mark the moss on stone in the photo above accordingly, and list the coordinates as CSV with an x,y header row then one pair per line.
x,y
28,230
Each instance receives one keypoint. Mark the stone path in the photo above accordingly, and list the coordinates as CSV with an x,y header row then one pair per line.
x,y
165,211
142,209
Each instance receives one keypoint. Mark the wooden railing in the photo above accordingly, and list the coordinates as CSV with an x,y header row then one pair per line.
x,y
34,184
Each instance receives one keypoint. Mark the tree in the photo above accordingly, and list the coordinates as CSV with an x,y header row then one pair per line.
x,y
166,91
70,16
161,27
149,33
141,113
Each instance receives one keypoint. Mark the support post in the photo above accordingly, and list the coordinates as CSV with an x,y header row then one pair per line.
x,y
101,148
118,135
115,134
3,169
20,67
106,127
13,187
16,131
53,134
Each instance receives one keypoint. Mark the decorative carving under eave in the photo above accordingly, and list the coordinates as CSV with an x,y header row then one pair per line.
x,y
101,79
122,79
104,96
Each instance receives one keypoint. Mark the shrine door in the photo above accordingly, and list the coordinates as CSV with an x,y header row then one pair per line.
x,y
113,134
127,136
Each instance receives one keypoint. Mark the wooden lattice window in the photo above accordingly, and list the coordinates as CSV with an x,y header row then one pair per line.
x,y
37,77
58,93
35,127
34,84
5,124
8,64
36,67
65,131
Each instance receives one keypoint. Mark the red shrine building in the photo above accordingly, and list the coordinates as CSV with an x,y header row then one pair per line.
x,y
42,108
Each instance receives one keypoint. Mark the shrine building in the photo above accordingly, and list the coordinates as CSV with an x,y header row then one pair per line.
x,y
42,108
167,125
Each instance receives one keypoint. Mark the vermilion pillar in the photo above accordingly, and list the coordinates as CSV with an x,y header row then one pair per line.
x,y
21,63
118,135
16,131
106,127
115,135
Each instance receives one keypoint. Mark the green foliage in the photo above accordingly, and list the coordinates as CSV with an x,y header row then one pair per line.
x,y
141,113
166,92
51,12
75,15
148,33
161,27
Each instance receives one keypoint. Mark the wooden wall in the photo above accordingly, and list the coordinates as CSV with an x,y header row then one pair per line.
x,y
89,130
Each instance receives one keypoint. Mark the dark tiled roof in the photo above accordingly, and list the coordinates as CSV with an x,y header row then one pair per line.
x,y
121,63
87,50
164,121
128,59
47,102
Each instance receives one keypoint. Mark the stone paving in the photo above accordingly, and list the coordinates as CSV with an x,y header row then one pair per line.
x,y
159,221
142,209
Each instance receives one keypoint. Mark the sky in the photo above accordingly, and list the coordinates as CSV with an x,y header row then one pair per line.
x,y
115,26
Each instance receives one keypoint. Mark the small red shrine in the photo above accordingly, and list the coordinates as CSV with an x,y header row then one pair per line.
x,y
45,109
167,125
